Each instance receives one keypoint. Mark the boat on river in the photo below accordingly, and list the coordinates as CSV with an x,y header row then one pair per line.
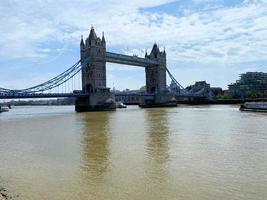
x,y
119,104
4,109
254,106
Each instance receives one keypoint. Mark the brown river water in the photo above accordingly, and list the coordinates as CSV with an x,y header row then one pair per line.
x,y
184,153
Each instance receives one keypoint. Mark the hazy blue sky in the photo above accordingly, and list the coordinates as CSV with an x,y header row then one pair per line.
x,y
212,40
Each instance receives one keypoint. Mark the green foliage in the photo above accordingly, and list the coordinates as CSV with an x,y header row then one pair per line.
x,y
143,88
224,96
255,94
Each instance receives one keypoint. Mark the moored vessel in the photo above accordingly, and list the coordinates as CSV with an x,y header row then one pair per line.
x,y
4,109
120,104
254,106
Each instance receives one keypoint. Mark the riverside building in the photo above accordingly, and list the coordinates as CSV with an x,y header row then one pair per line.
x,y
250,84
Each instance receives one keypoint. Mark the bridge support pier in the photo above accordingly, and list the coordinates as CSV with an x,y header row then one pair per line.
x,y
99,101
159,100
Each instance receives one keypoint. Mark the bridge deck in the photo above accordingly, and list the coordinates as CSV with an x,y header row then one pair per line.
x,y
44,95
74,95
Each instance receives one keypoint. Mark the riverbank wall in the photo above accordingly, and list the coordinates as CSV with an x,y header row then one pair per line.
x,y
222,102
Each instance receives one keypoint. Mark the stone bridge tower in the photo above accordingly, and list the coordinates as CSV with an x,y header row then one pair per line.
x,y
156,81
156,74
93,59
93,72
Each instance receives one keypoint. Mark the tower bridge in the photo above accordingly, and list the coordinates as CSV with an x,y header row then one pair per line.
x,y
94,94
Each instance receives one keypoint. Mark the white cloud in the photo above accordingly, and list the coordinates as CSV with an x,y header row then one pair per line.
x,y
225,34
206,1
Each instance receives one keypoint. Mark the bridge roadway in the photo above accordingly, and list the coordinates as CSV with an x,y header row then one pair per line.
x,y
41,95
74,95
129,60
52,95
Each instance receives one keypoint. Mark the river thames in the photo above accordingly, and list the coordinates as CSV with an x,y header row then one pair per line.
x,y
183,153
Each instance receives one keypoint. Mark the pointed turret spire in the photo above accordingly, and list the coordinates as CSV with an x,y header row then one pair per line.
x,y
146,54
103,38
92,35
82,42
155,50
164,52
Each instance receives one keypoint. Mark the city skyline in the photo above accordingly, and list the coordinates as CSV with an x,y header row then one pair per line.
x,y
204,40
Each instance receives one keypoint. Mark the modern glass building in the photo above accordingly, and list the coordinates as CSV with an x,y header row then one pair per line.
x,y
250,84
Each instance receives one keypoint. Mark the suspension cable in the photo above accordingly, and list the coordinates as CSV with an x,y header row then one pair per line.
x,y
52,83
173,79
